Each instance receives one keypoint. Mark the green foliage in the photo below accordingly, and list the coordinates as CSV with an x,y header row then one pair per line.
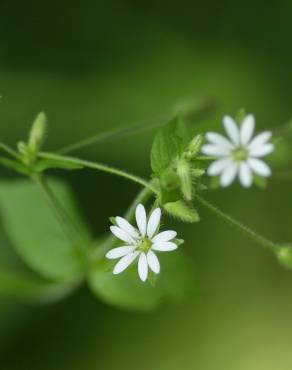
x,y
35,231
182,211
31,289
125,290
14,165
169,143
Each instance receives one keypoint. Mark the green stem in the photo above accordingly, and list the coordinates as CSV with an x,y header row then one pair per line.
x,y
204,108
9,151
100,167
274,247
142,197
112,135
74,235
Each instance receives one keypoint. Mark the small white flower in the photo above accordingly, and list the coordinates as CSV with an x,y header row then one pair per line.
x,y
141,242
238,155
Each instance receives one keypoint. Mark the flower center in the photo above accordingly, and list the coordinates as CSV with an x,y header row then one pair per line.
x,y
239,154
145,245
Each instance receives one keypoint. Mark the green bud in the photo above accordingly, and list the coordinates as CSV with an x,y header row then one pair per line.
x,y
37,133
182,211
198,172
113,220
22,148
240,116
194,146
285,256
185,176
169,180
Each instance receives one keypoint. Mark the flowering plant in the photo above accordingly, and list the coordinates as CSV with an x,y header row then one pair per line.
x,y
62,251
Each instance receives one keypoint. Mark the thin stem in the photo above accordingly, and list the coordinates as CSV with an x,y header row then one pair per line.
x,y
238,225
74,235
9,151
112,135
142,197
100,167
204,108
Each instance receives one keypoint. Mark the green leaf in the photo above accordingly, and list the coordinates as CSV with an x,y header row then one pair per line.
x,y
169,143
35,232
23,287
45,164
126,290
182,211
15,166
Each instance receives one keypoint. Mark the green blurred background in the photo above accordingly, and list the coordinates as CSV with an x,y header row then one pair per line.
x,y
95,65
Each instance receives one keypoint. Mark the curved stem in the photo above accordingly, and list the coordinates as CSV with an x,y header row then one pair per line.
x,y
100,167
203,109
274,247
112,135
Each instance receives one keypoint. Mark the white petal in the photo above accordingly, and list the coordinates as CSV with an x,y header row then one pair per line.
x,y
119,252
143,267
245,175
153,222
228,175
218,166
219,140
141,219
164,246
126,226
232,129
215,150
261,150
153,262
259,167
164,236
122,234
125,262
260,139
247,129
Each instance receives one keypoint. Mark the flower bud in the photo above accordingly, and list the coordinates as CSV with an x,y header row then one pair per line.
x,y
185,175
37,133
285,256
194,146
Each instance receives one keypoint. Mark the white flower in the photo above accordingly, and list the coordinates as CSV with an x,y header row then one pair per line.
x,y
238,155
141,242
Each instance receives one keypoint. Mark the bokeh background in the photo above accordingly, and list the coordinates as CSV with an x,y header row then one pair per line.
x,y
94,65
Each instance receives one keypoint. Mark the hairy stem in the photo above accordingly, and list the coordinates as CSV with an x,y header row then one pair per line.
x,y
100,167
274,247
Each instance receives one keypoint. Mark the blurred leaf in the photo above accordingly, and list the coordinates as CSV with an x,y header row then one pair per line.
x,y
16,286
169,143
34,230
126,290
